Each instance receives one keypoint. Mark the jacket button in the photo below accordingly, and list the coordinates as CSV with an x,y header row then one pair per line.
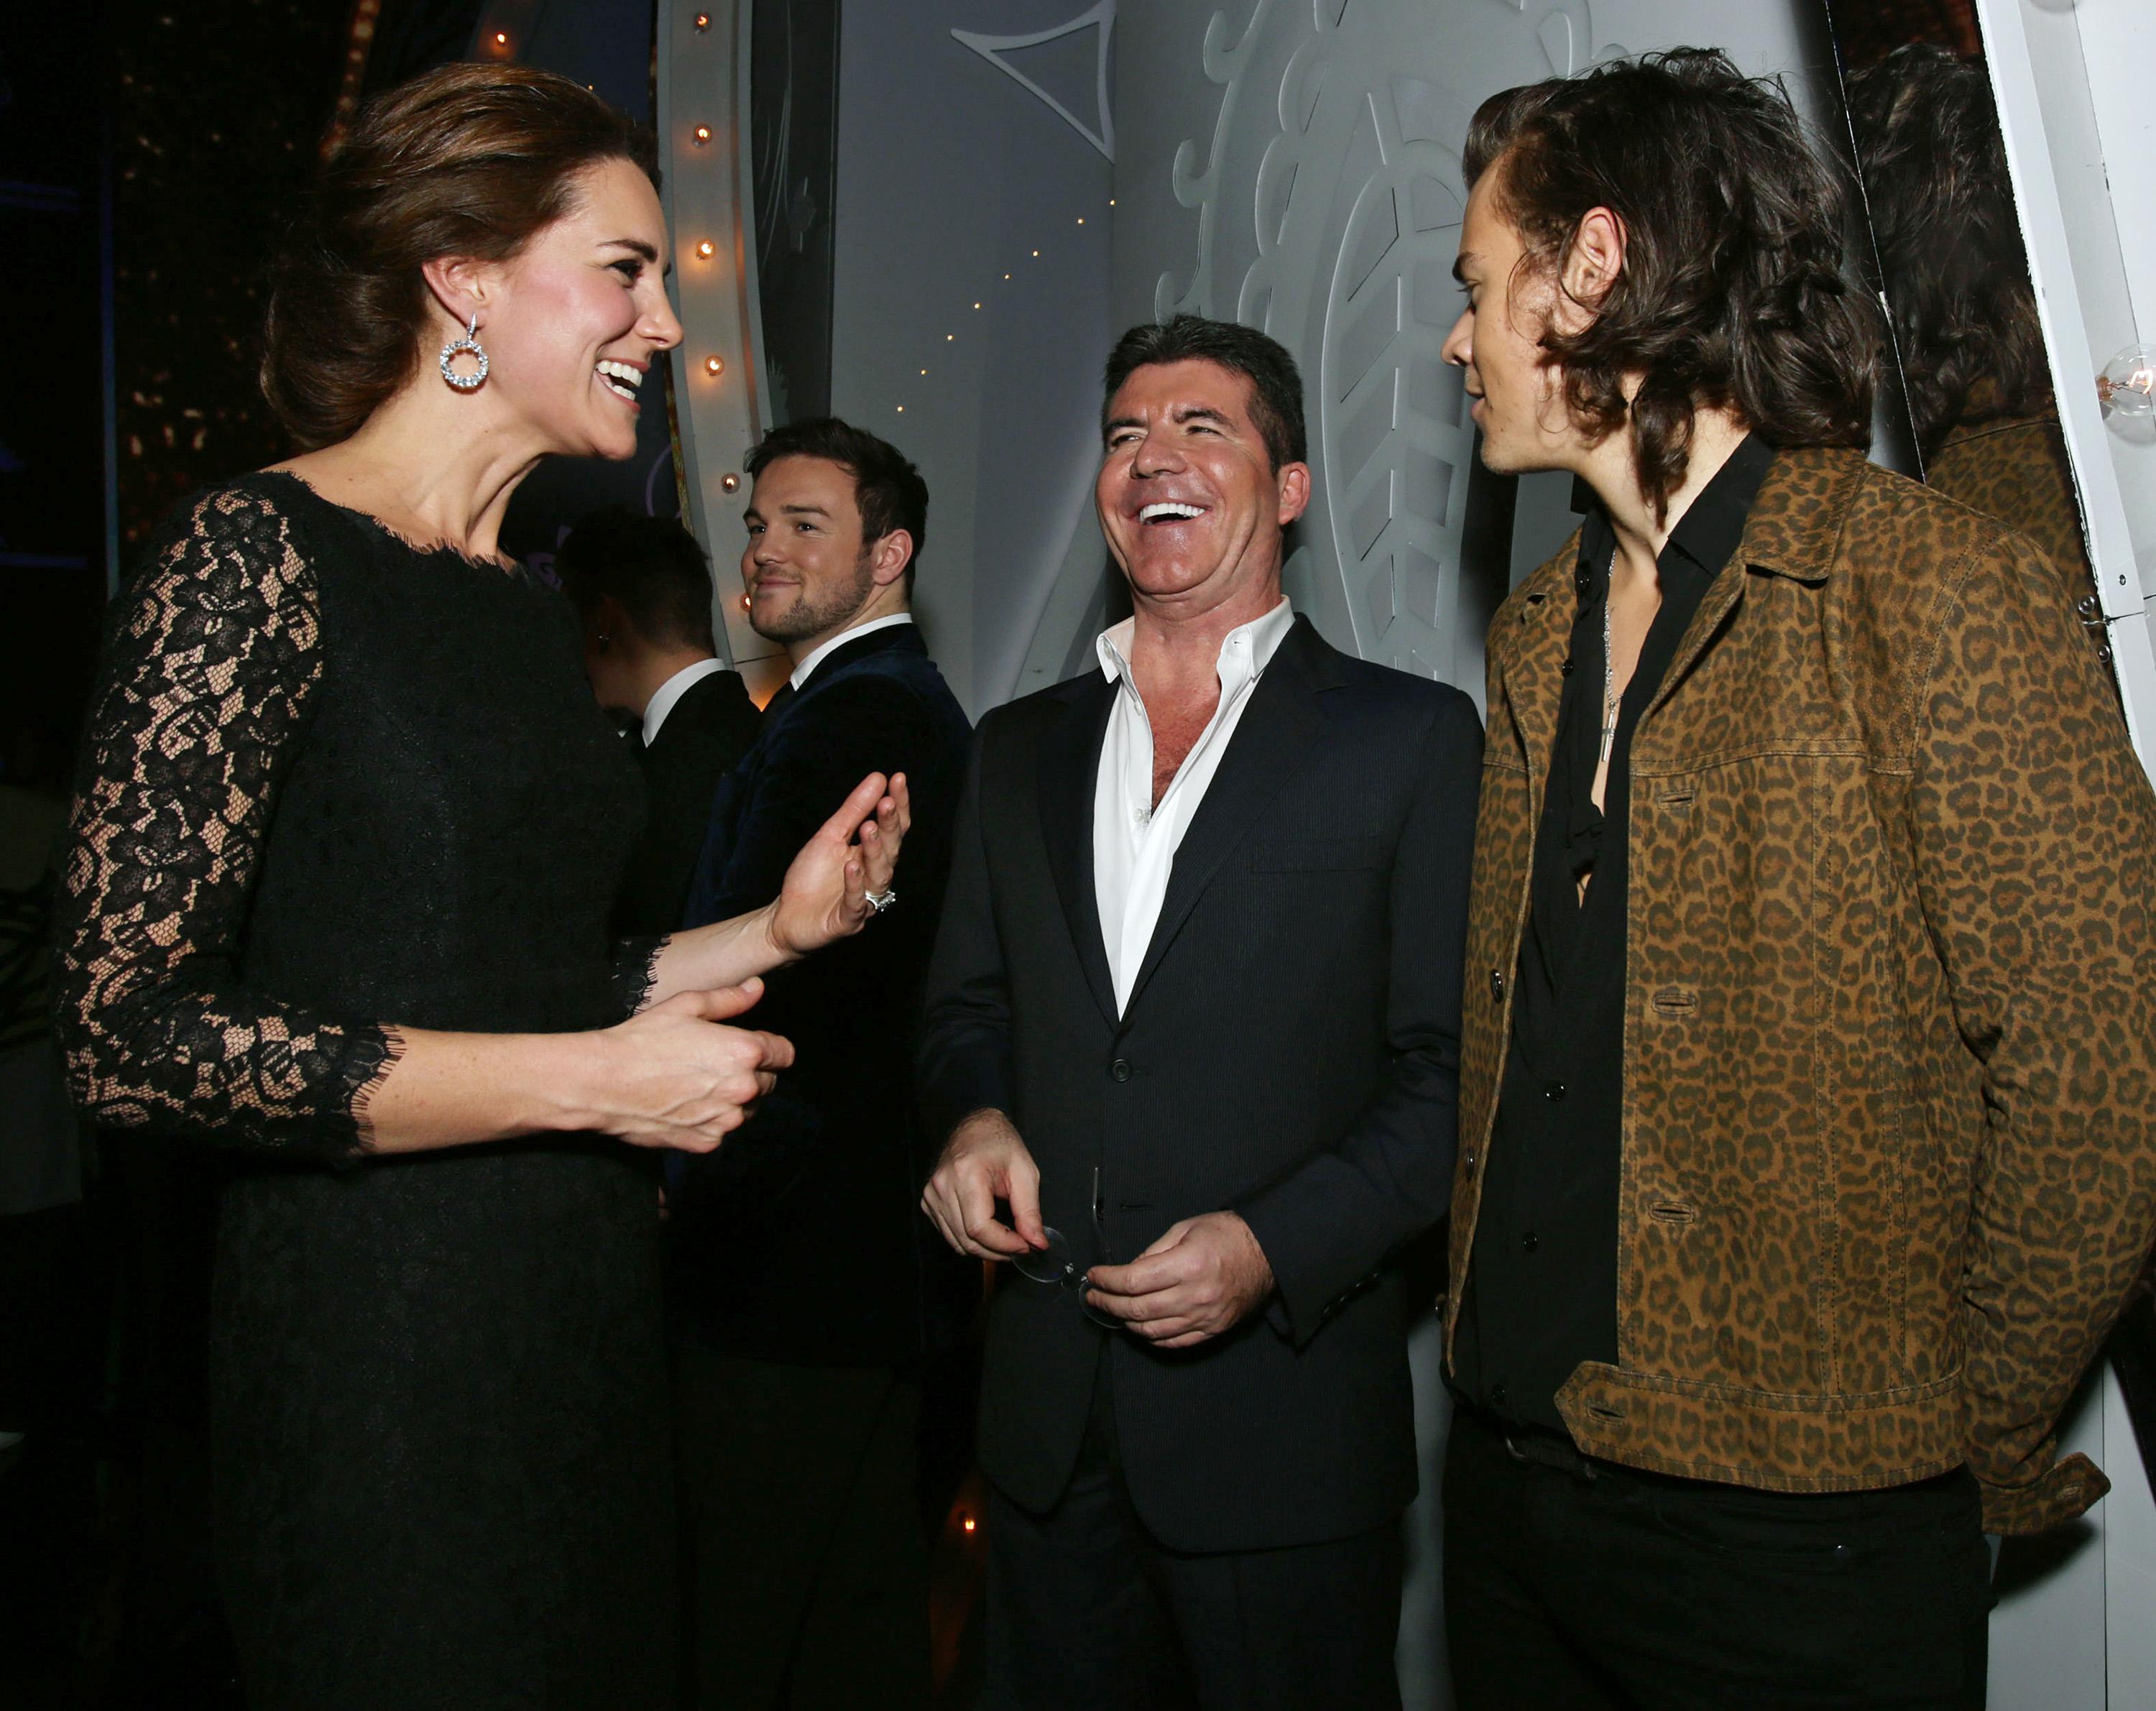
x,y
1470,1161
1553,1091
1565,670
1530,1242
1497,1396
1121,1069
1498,984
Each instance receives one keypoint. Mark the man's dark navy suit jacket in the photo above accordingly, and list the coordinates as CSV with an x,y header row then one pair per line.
x,y
801,1239
1289,1051
710,729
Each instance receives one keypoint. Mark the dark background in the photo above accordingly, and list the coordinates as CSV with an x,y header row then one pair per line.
x,y
53,397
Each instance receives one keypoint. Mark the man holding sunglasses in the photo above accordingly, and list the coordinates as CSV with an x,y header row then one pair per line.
x,y
1194,1018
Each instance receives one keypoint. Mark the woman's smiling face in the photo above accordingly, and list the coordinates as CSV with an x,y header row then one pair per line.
x,y
579,316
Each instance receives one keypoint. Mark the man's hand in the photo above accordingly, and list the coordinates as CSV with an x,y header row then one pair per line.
x,y
1201,1278
985,1162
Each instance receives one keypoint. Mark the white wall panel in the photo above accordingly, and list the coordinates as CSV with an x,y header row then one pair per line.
x,y
952,173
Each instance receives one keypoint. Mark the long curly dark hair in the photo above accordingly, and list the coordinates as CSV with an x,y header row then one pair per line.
x,y
1735,292
1950,253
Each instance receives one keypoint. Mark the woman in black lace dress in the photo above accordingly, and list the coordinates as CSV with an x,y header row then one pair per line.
x,y
348,831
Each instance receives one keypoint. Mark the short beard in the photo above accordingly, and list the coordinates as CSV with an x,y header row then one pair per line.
x,y
808,617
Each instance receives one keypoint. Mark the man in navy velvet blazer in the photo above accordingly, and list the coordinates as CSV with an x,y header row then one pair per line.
x,y
807,1291
1195,1007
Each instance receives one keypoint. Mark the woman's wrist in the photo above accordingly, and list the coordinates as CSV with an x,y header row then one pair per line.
x,y
570,1071
773,952
455,1090
725,953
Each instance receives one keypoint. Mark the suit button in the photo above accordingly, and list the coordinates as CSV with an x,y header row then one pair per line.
x,y
1470,1161
1496,1396
1565,670
1121,1069
1553,1091
1497,985
1530,1242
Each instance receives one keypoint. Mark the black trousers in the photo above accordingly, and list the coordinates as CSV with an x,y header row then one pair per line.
x,y
808,1572
1087,1611
1600,1586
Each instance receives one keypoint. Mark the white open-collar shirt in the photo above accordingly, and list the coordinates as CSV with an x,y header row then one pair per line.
x,y
1135,839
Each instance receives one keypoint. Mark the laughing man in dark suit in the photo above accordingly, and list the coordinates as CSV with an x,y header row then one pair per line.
x,y
807,1291
1195,1007
643,590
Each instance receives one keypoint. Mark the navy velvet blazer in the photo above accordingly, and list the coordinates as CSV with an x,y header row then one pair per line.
x,y
1290,1051
801,1239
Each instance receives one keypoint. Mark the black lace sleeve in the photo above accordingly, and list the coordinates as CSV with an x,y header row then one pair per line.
x,y
209,668
635,967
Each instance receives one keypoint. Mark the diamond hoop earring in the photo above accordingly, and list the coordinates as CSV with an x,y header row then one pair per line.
x,y
470,341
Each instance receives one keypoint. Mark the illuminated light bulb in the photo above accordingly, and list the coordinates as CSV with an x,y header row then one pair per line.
x,y
969,1523
924,371
1111,202
2127,385
948,337
715,365
708,249
1081,219
702,134
731,484
703,20
1006,276
501,39
977,305
1036,253
901,409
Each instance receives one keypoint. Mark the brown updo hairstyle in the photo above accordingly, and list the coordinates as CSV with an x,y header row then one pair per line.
x,y
466,160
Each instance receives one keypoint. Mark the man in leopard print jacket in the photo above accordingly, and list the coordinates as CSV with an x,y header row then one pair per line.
x,y
1807,1105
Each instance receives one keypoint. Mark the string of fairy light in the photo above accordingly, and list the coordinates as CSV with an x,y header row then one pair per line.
x,y
715,365
498,43
712,363
951,338
704,250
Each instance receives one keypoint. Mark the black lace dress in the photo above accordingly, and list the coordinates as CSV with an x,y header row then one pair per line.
x,y
334,786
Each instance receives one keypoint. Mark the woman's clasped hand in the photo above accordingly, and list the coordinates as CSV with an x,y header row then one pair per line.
x,y
669,1077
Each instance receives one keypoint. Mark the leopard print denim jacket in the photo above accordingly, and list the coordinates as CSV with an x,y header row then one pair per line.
x,y
1889,1133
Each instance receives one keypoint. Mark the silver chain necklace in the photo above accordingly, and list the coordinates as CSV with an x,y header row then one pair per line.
x,y
1608,670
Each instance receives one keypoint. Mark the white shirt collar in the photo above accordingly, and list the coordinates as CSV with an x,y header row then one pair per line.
x,y
669,694
1244,651
801,670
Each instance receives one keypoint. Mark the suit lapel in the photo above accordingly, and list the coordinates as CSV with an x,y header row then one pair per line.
x,y
1276,732
1069,757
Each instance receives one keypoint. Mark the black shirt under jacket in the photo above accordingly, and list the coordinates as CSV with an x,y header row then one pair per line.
x,y
1540,1295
